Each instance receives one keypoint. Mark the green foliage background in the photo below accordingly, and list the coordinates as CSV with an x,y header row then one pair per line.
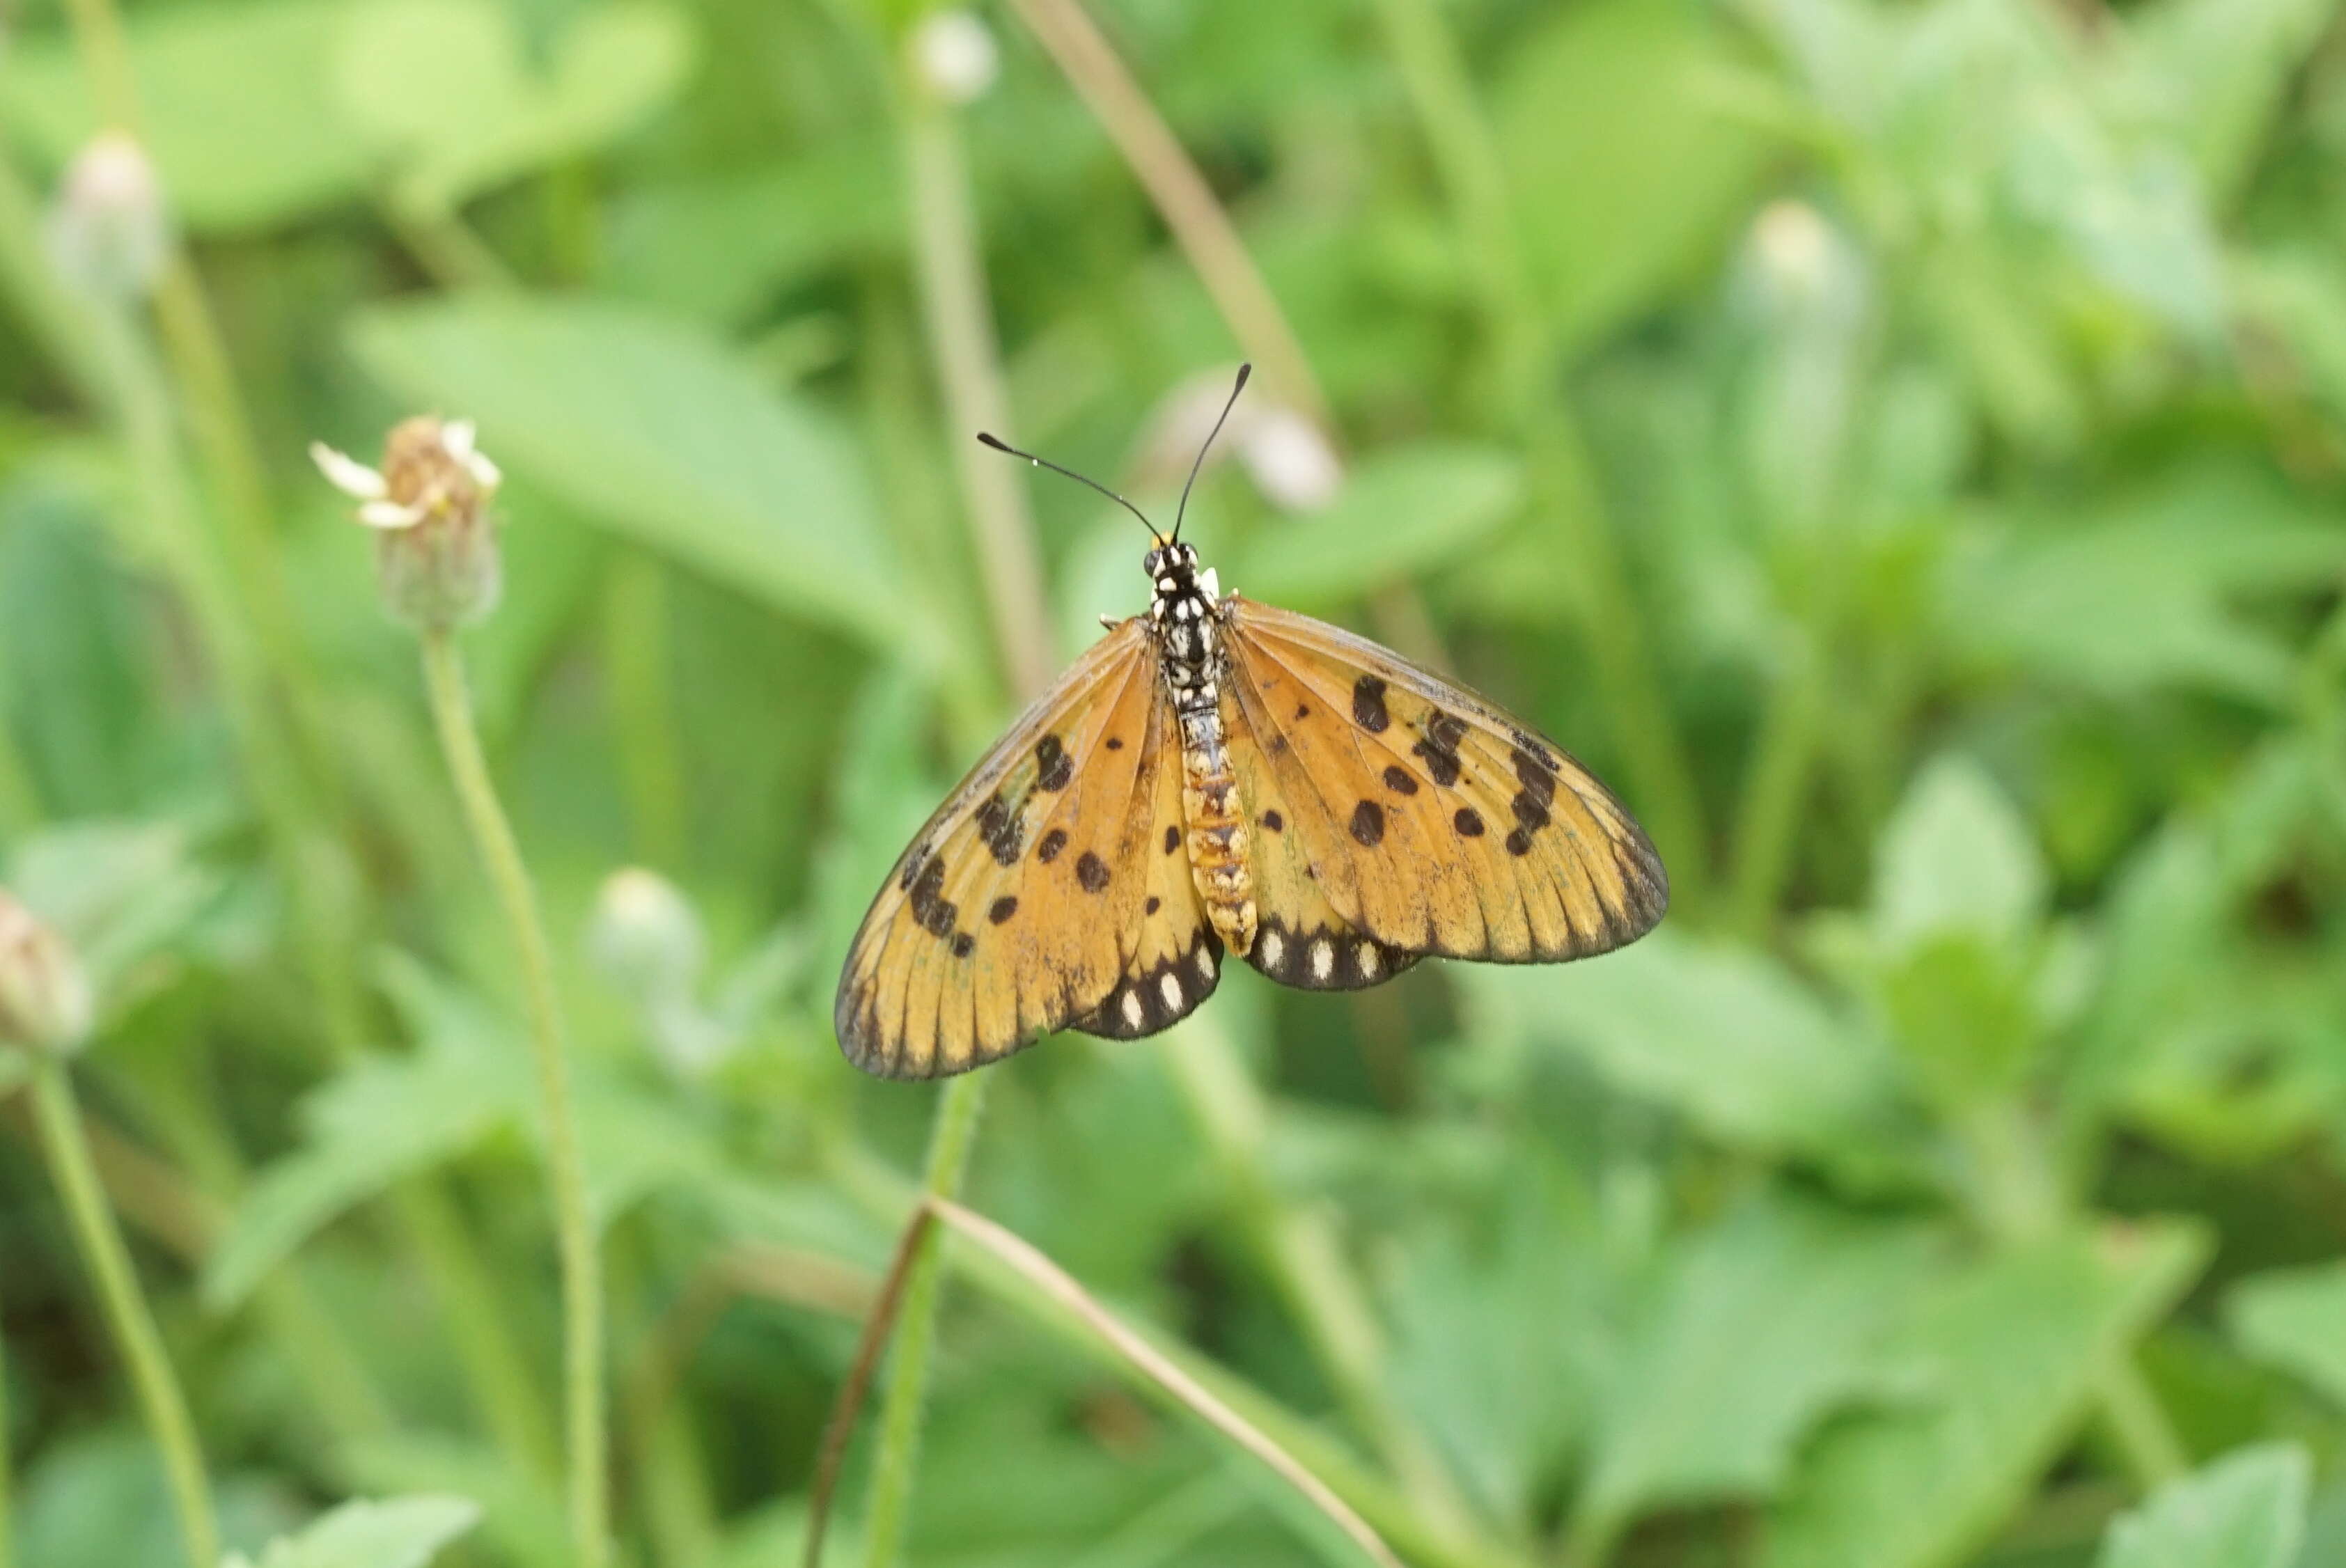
x,y
1899,445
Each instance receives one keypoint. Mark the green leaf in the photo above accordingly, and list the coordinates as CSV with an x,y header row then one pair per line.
x,y
719,246
660,433
2245,1510
376,1122
1762,1327
1628,174
2229,66
1400,512
1723,1036
402,1533
2291,1318
1957,858
2134,597
2011,1349
442,89
236,100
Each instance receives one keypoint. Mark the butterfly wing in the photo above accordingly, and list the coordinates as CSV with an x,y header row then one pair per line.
x,y
1425,818
1017,909
1178,959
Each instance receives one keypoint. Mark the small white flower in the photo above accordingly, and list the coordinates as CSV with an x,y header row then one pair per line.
x,y
955,55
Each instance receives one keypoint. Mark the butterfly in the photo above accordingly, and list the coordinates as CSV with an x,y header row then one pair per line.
x,y
1216,776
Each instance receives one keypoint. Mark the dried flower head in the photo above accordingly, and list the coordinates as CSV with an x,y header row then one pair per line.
x,y
435,542
110,232
45,996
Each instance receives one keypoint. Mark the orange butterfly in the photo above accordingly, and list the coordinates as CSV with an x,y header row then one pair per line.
x,y
1219,775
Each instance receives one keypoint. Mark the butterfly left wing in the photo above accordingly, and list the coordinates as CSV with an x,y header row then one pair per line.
x,y
1425,817
1017,909
1178,959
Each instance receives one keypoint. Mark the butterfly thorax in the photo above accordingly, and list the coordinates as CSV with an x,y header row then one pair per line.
x,y
1185,615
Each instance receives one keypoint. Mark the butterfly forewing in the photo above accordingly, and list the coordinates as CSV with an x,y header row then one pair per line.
x,y
1423,815
1017,909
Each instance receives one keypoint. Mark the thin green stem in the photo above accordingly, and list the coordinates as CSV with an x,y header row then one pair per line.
x,y
443,244
2146,1435
99,1240
968,363
582,1293
1307,1265
908,1362
1791,730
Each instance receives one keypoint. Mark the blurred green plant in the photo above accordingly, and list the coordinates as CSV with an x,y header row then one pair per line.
x,y
1897,442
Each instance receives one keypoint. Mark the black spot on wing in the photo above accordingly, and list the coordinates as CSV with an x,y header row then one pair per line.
x,y
1399,780
1273,821
1368,823
1172,837
1369,704
1092,872
1004,834
963,942
1052,843
1002,910
1468,822
1053,765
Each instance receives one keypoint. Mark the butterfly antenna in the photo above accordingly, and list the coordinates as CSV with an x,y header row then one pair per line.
x,y
1244,370
1005,447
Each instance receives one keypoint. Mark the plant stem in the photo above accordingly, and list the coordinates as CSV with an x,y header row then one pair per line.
x,y
908,1364
1792,726
1199,225
2144,1435
108,1261
1307,1265
968,364
582,1293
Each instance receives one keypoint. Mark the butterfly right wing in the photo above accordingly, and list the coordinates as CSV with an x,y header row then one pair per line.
x,y
1013,912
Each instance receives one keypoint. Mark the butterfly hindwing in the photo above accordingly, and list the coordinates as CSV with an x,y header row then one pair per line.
x,y
1017,909
1302,939
1424,817
1177,960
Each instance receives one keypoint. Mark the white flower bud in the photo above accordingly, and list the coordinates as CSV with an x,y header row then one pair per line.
x,y
436,557
955,53
109,231
45,997
645,936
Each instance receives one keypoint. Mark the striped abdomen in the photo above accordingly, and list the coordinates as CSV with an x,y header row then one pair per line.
x,y
1217,824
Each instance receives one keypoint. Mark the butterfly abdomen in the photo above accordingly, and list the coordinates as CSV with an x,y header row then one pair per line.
x,y
1185,617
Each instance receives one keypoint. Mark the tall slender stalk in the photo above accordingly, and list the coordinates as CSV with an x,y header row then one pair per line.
x,y
959,329
908,1364
1200,227
99,1240
566,1170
